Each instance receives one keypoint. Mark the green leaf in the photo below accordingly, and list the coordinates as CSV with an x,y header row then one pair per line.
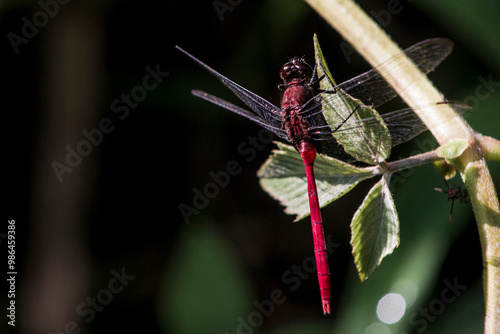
x,y
283,177
453,148
445,169
374,228
370,143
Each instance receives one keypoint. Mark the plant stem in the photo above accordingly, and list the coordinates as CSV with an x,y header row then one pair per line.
x,y
414,161
399,165
376,47
489,146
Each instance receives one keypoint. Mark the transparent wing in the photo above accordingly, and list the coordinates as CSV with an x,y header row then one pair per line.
x,y
240,111
403,125
263,108
372,89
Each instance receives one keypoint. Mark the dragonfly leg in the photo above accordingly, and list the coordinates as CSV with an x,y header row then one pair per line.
x,y
314,79
347,118
330,91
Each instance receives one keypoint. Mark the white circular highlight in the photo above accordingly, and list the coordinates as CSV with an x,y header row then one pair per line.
x,y
391,308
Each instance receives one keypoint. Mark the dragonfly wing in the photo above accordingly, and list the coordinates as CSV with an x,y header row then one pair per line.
x,y
240,111
263,108
321,132
403,124
362,134
371,88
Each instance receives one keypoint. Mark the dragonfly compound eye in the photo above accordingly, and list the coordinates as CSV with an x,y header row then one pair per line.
x,y
296,68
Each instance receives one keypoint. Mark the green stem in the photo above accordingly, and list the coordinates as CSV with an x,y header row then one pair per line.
x,y
399,165
414,161
489,146
376,47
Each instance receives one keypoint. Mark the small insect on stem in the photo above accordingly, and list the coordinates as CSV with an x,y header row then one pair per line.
x,y
454,193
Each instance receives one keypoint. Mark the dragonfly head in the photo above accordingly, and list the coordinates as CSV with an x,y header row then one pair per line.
x,y
296,68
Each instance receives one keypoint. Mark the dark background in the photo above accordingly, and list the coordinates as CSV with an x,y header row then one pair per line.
x,y
214,272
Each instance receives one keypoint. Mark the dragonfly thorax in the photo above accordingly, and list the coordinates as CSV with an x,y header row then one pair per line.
x,y
296,68
294,98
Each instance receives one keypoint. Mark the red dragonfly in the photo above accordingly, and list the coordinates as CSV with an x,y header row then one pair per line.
x,y
300,120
